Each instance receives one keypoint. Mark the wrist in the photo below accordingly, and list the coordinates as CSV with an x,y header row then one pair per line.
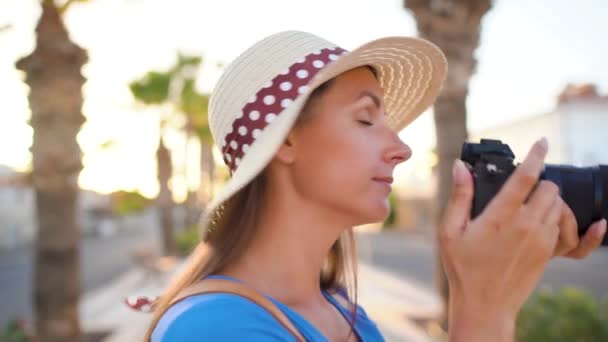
x,y
472,323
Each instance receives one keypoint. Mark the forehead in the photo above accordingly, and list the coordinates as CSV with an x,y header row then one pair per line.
x,y
349,86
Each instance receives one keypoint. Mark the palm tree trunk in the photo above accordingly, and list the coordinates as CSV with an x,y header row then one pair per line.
x,y
53,73
165,198
192,204
207,169
454,26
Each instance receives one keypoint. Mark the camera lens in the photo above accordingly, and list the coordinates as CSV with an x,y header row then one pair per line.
x,y
584,189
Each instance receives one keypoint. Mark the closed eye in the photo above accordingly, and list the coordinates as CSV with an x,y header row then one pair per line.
x,y
365,116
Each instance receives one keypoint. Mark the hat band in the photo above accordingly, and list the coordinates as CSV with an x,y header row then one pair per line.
x,y
270,101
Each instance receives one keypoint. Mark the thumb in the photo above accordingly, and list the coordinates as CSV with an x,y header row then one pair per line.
x,y
458,209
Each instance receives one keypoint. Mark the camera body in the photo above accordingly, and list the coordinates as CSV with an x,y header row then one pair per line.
x,y
583,189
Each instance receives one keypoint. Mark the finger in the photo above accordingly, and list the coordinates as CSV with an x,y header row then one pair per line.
x,y
554,213
550,225
519,185
568,235
458,210
590,241
542,200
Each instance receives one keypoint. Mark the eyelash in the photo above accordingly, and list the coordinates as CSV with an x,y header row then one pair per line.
x,y
366,122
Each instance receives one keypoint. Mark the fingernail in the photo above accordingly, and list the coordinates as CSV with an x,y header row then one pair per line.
x,y
458,172
544,144
602,229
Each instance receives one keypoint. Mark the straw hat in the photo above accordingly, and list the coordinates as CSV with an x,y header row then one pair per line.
x,y
258,98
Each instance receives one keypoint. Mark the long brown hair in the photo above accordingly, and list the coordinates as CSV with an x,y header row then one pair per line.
x,y
230,230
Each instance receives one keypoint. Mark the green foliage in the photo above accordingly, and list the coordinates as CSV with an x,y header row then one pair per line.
x,y
63,6
184,61
187,239
191,100
195,106
107,144
153,88
127,202
392,216
14,331
570,315
204,134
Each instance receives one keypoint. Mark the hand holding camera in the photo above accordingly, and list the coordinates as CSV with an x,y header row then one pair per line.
x,y
494,258
584,190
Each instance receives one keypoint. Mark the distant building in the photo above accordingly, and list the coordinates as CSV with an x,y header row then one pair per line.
x,y
17,222
577,129
18,217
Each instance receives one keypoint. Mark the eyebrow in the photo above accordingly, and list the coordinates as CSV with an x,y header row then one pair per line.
x,y
373,96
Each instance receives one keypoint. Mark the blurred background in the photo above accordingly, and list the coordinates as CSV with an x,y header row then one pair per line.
x,y
106,159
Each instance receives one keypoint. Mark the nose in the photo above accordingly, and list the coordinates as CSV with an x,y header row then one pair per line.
x,y
397,152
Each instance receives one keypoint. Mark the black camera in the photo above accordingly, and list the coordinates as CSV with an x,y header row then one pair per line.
x,y
584,189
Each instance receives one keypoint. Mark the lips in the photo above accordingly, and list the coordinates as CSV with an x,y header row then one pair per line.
x,y
385,182
388,180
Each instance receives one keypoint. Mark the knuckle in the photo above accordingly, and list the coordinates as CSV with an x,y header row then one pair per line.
x,y
577,254
554,216
570,247
527,178
510,190
547,185
490,218
558,206
549,188
461,193
570,244
553,188
561,252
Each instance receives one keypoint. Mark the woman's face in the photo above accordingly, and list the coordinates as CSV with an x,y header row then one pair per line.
x,y
344,151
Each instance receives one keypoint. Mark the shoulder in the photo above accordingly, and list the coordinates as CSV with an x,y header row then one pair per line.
x,y
218,317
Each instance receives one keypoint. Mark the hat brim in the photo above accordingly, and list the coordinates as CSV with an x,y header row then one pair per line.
x,y
411,72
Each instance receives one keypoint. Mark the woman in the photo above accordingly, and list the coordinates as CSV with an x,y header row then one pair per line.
x,y
309,133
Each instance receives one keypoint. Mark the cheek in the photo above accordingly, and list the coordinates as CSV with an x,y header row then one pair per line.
x,y
338,169
341,160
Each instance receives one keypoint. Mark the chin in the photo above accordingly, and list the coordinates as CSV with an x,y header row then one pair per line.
x,y
374,213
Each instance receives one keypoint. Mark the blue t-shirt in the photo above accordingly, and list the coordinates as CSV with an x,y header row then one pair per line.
x,y
230,317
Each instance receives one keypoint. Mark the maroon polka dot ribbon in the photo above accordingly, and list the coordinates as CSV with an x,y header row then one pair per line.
x,y
141,303
270,101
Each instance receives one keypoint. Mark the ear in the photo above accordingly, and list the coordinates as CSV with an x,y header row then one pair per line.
x,y
287,152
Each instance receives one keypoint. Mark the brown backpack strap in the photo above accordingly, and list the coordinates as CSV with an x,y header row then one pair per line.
x,y
229,286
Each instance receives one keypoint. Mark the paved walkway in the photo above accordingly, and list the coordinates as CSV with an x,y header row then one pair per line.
x,y
389,300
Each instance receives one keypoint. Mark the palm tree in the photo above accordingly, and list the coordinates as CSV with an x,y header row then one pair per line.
x,y
454,26
194,106
53,73
175,91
